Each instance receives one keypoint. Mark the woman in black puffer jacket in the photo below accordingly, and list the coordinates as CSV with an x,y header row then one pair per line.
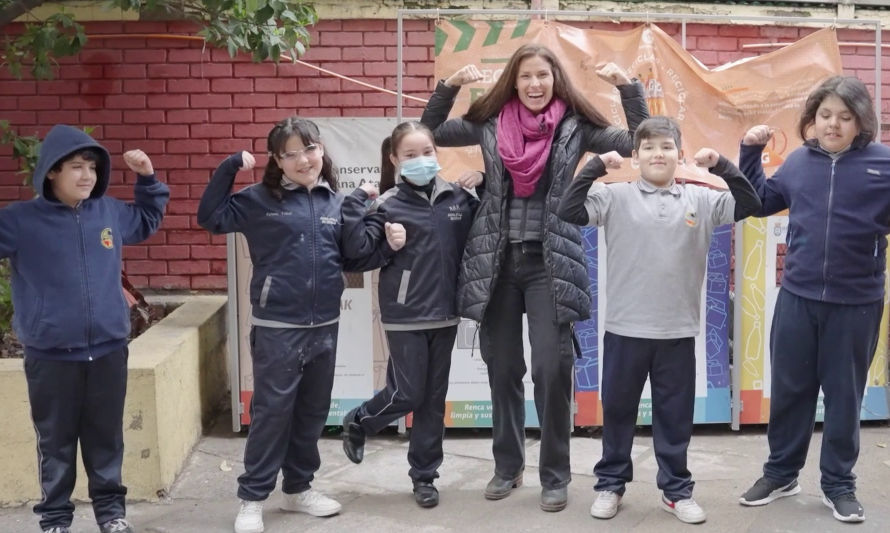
x,y
533,127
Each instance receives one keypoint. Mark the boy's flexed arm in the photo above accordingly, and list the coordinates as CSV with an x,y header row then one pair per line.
x,y
581,208
142,218
746,201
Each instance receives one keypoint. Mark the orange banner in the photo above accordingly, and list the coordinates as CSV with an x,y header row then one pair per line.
x,y
713,106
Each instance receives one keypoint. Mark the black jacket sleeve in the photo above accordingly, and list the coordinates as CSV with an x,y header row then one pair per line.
x,y
601,140
362,230
571,207
363,241
747,201
454,132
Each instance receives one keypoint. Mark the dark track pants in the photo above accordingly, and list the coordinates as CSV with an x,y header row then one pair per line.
x,y
523,285
416,381
82,401
670,366
293,372
817,344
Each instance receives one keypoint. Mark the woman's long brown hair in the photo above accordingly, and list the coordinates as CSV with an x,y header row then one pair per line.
x,y
503,90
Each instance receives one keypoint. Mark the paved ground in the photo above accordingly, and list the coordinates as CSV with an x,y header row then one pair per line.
x,y
376,495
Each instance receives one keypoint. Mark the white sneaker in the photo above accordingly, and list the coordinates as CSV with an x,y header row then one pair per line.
x,y
685,510
310,502
606,504
250,518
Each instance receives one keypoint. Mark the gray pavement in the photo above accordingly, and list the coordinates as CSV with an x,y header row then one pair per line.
x,y
376,495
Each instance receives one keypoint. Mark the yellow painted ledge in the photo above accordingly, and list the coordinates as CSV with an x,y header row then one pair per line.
x,y
83,11
177,379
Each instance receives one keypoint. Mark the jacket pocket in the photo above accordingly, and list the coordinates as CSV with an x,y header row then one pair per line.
x,y
264,293
402,295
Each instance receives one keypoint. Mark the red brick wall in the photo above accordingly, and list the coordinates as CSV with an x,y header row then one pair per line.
x,y
188,108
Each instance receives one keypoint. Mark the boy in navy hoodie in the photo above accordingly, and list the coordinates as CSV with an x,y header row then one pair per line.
x,y
64,247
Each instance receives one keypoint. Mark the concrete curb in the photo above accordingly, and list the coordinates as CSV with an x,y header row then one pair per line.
x,y
177,379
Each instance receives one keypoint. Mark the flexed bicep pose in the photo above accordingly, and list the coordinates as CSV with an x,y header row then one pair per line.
x,y
658,233
533,127
828,313
64,247
293,227
420,227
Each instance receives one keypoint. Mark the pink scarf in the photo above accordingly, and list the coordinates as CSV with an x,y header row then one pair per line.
x,y
524,141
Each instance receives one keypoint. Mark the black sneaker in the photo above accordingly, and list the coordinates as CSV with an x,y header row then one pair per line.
x,y
765,491
425,494
353,437
118,525
845,507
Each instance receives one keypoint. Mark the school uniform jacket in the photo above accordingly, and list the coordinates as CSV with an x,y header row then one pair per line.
x,y
294,245
418,283
838,222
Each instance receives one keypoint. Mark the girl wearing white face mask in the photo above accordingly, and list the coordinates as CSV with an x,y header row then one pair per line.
x,y
419,225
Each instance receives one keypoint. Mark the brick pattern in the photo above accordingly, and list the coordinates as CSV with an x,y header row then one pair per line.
x,y
189,107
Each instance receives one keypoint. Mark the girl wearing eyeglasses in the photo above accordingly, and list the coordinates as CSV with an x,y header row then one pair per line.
x,y
292,225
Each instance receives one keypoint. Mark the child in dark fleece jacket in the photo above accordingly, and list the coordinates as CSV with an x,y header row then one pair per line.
x,y
64,248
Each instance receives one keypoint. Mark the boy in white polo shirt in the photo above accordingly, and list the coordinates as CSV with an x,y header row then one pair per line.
x,y
658,234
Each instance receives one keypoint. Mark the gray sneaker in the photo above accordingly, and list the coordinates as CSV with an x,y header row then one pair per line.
x,y
57,529
117,525
765,491
845,507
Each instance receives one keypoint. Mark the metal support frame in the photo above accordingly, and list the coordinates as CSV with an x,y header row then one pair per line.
x,y
683,18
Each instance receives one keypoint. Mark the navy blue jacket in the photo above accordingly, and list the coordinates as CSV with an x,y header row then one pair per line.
x,y
66,261
839,214
418,283
294,245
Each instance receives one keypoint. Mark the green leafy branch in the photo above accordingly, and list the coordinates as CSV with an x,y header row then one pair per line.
x,y
41,43
264,28
25,148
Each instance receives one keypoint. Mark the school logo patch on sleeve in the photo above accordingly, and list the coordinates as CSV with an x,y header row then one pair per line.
x,y
107,238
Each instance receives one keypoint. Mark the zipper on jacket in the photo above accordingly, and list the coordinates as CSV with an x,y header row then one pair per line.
x,y
439,238
828,229
86,283
314,241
